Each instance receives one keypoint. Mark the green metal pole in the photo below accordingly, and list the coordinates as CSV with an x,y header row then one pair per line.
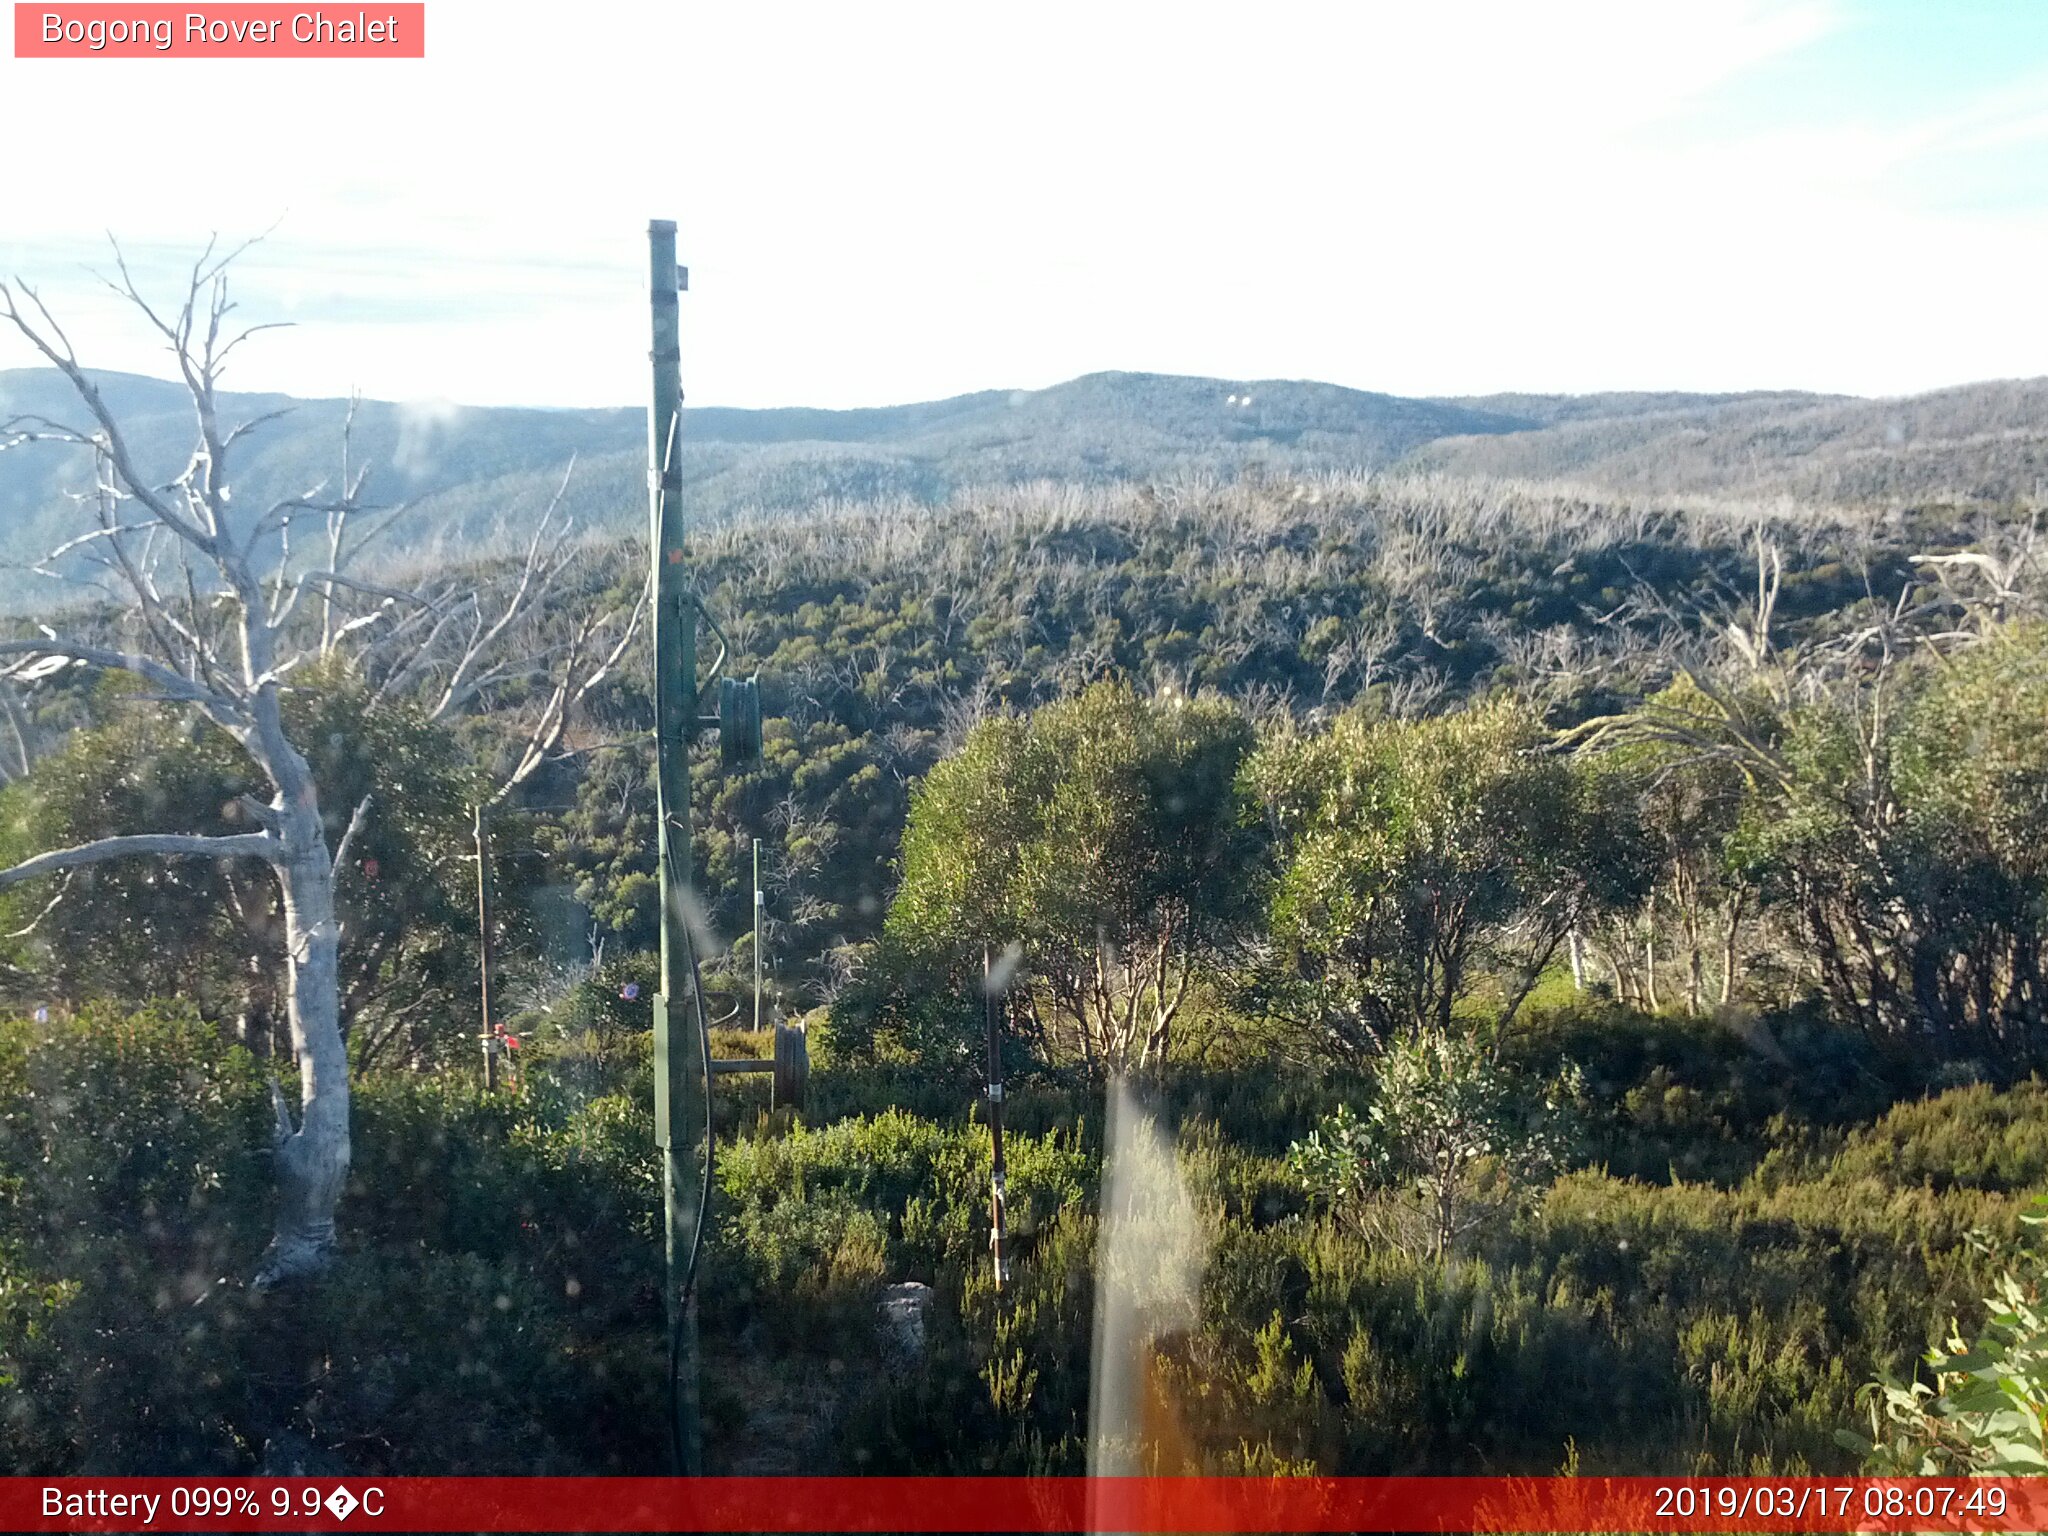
x,y
678,1086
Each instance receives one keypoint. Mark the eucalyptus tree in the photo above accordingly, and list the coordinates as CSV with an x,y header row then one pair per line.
x,y
1686,810
214,607
1419,859
211,931
1892,812
1102,833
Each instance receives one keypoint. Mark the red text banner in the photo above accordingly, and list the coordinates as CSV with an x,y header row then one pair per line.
x,y
228,31
982,1504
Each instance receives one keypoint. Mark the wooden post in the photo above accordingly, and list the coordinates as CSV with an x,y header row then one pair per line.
x,y
483,940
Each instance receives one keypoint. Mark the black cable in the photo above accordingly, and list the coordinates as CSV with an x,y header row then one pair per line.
x,y
689,1282
724,646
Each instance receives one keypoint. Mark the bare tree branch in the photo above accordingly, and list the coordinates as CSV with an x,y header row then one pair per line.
x,y
63,889
237,845
543,563
356,819
58,353
228,711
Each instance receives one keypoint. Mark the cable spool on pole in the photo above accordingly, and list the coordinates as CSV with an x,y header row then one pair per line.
x,y
792,1065
739,723
789,1069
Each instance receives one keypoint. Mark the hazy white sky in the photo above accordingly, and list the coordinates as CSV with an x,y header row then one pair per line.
x,y
883,202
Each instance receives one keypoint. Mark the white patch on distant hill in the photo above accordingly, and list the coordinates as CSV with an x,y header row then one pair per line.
x,y
421,426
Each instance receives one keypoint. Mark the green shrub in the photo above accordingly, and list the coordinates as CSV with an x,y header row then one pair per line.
x,y
133,1178
1440,1110
1986,1411
1974,1137
497,1303
141,1122
494,1304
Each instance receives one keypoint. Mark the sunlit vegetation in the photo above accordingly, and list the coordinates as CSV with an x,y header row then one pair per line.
x,y
1589,957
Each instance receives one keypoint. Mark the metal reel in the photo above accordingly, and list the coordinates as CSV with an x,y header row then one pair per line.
x,y
792,1065
739,720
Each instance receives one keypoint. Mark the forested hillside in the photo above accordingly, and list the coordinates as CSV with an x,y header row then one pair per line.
x,y
1981,443
1623,405
1584,955
470,477
467,479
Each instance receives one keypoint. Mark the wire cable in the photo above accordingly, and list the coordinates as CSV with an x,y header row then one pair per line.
x,y
724,645
689,1280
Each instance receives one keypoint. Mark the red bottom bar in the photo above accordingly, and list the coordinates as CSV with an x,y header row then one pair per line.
x,y
996,1504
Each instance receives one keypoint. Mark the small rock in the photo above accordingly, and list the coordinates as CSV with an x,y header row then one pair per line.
x,y
903,1310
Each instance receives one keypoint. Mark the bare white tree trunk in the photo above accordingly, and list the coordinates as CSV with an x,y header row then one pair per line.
x,y
206,578
1731,939
313,1159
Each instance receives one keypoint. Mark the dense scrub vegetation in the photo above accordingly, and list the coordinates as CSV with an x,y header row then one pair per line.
x,y
883,635
498,1309
1587,959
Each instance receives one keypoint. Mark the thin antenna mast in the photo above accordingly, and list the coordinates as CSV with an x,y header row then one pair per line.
x,y
683,1067
757,933
998,1195
483,941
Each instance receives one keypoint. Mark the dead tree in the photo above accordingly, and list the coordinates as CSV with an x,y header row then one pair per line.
x,y
214,614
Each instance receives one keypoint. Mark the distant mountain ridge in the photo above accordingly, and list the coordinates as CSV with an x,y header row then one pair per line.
x,y
1612,405
475,476
1974,443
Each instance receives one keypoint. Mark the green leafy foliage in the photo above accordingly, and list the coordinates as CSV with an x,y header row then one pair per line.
x,y
1441,1108
1381,875
1418,855
497,1302
472,1322
1900,835
883,634
1103,835
212,931
1985,1413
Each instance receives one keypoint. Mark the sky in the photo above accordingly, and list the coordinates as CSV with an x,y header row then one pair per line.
x,y
884,202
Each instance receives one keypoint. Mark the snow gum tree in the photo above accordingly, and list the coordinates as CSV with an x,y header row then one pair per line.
x,y
212,606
